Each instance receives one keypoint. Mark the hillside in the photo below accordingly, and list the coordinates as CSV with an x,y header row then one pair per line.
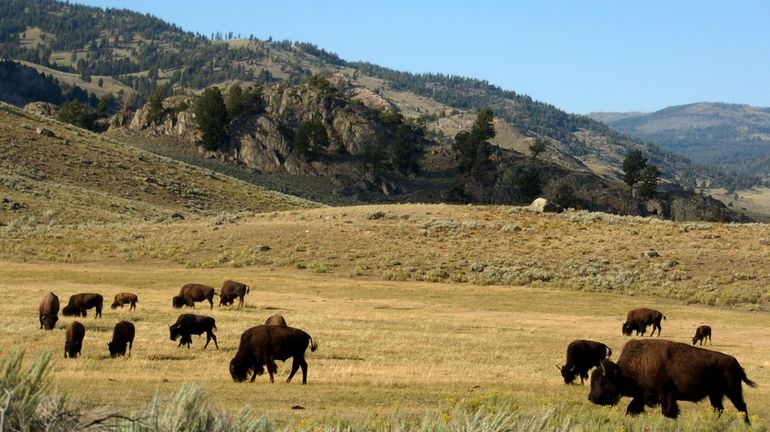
x,y
74,176
735,137
137,53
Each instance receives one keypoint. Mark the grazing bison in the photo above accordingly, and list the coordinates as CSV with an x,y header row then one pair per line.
x,y
276,319
654,372
190,324
639,319
122,335
191,293
232,290
80,303
701,333
49,311
582,355
125,298
74,339
261,345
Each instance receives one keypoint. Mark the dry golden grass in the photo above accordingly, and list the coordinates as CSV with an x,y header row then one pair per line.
x,y
395,349
110,85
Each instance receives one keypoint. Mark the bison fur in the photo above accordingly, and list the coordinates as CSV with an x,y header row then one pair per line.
x,y
661,372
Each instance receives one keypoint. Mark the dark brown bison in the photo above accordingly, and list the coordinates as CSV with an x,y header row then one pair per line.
x,y
638,320
232,290
190,324
49,311
582,355
80,303
261,345
276,319
654,372
125,298
702,333
74,339
191,293
122,335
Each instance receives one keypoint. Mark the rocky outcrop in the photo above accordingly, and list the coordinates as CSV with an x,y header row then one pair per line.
x,y
41,108
178,120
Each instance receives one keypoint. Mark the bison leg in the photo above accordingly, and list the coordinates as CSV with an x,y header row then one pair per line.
x,y
209,336
668,405
636,406
716,402
272,368
736,397
294,369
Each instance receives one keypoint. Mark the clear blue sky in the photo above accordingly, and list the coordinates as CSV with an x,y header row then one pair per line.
x,y
579,55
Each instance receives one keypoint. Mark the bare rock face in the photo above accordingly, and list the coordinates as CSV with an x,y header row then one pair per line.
x,y
178,120
41,108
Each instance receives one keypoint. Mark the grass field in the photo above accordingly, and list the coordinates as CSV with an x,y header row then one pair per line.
x,y
390,351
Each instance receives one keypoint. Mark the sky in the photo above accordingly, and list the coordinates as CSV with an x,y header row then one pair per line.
x,y
580,55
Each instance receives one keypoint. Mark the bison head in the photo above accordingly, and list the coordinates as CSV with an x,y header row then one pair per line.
x,y
49,321
72,349
116,348
114,305
605,382
173,331
238,371
178,302
70,310
568,373
627,329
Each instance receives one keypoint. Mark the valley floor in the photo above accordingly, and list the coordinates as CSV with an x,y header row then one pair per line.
x,y
386,349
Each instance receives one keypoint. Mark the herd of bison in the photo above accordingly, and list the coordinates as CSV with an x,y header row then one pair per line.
x,y
651,372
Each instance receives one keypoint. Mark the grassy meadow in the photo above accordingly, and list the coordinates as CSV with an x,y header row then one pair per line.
x,y
423,314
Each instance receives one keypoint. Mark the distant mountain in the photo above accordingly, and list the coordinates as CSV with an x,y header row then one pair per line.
x,y
135,53
735,137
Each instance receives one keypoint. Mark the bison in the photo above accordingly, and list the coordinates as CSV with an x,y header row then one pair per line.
x,y
74,339
191,293
232,290
49,311
190,324
79,303
261,345
701,333
654,372
125,298
122,335
638,320
582,355
276,319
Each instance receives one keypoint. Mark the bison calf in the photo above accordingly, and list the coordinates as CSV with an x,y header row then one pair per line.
x,y
49,311
261,345
190,324
125,298
74,339
122,335
582,355
232,290
79,303
654,372
701,333
191,293
638,320
276,319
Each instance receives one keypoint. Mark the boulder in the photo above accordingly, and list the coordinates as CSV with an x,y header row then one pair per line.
x,y
542,205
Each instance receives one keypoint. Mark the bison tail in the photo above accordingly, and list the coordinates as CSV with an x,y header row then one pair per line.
x,y
609,351
247,289
749,382
313,345
664,317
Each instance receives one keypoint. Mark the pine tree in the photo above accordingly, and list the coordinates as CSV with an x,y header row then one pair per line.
x,y
211,116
